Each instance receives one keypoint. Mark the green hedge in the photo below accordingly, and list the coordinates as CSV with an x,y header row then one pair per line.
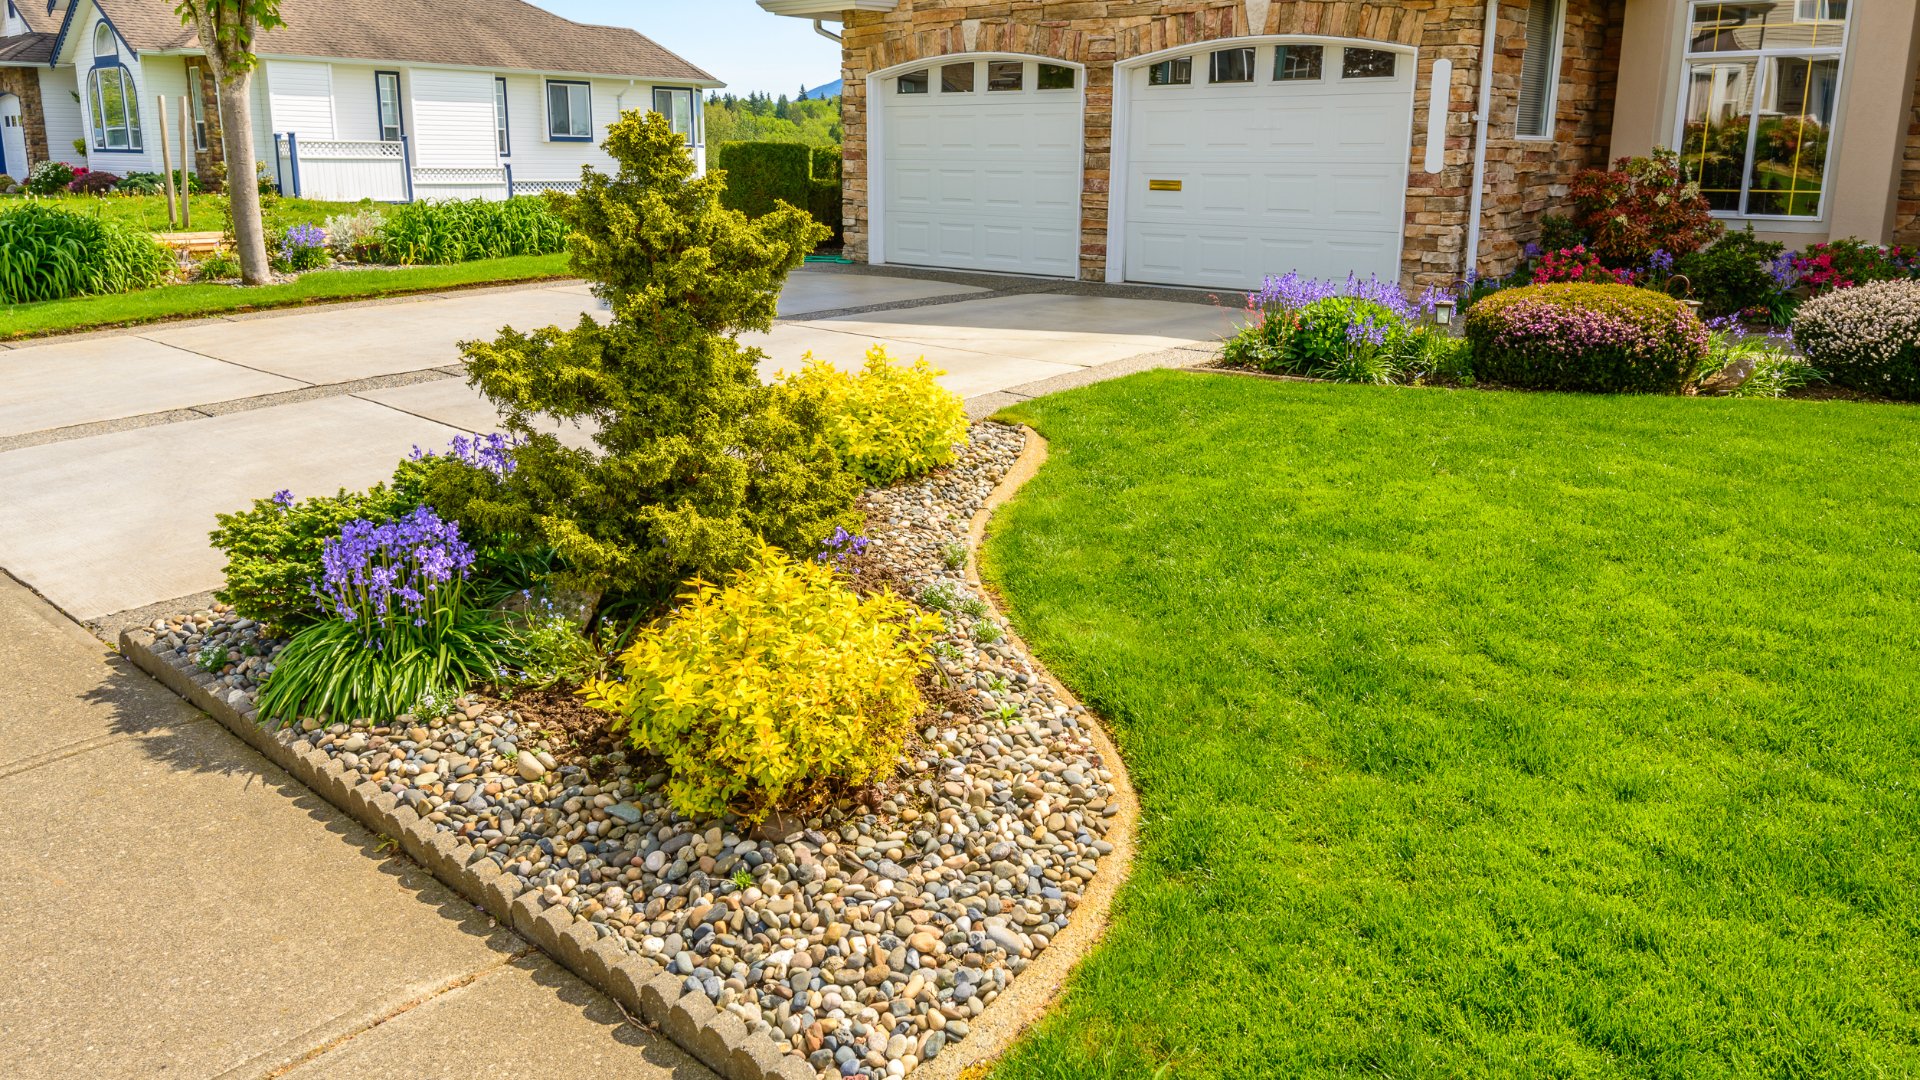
x,y
763,174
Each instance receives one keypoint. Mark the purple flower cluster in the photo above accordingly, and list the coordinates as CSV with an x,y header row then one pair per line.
x,y
283,499
492,453
1366,330
372,573
1784,269
1291,292
1660,263
302,236
841,546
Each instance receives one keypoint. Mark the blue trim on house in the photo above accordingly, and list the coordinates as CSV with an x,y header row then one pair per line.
x,y
546,89
279,179
506,117
406,162
293,159
399,109
66,24
133,101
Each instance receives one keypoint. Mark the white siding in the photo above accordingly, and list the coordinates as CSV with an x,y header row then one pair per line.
x,y
14,23
301,97
537,157
356,109
453,119
59,101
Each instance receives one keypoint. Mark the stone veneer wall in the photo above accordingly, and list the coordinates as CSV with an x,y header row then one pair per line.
x,y
205,161
1906,215
25,83
1523,178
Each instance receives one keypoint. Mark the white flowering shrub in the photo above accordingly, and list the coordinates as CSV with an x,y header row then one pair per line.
x,y
1865,338
354,235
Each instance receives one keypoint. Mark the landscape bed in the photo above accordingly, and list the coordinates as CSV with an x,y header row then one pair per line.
x,y
864,939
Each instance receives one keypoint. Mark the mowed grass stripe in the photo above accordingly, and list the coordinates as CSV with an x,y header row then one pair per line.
x,y
1487,734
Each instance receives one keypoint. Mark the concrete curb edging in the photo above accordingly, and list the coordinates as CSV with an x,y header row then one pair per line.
x,y
642,987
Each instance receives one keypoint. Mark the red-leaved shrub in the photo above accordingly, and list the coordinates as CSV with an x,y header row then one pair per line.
x,y
1641,206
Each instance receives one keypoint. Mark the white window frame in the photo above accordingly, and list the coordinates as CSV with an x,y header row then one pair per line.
x,y
586,96
693,109
399,125
1550,108
197,103
502,126
1838,53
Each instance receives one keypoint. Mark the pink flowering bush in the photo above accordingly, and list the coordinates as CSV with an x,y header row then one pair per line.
x,y
1593,337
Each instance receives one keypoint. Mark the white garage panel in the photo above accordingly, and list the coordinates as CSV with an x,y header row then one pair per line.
x,y
981,178
1229,181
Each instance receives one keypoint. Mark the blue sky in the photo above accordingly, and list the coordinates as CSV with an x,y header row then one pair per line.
x,y
734,39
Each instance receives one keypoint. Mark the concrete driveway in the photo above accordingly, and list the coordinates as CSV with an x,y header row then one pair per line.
x,y
117,450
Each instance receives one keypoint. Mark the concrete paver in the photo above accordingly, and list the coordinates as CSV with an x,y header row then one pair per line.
x,y
78,382
561,1030
341,345
452,402
968,372
118,521
173,905
835,291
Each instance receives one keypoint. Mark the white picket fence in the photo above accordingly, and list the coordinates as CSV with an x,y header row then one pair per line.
x,y
339,170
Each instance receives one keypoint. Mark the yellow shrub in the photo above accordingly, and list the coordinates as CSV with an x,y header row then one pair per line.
x,y
889,422
780,678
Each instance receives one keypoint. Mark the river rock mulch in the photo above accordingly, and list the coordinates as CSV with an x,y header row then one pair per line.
x,y
866,936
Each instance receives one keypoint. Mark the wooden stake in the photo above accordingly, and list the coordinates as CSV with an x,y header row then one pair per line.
x,y
166,162
186,159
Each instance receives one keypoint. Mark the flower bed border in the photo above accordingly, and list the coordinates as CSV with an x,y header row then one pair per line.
x,y
644,988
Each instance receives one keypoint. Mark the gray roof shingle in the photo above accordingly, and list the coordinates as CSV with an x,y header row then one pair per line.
x,y
508,35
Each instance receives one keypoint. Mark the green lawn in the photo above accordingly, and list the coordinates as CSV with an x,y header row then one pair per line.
x,y
187,301
1486,734
150,211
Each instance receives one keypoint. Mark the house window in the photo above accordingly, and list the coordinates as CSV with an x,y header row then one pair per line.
x,y
913,82
1759,96
502,134
197,101
1232,66
1006,75
1540,70
113,98
677,107
1171,72
569,112
386,86
1297,62
1055,77
1366,64
956,79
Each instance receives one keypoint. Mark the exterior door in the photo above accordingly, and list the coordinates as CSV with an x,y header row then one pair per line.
x,y
1255,159
980,164
13,139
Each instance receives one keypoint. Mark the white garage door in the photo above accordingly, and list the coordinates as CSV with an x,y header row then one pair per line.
x,y
1245,161
981,166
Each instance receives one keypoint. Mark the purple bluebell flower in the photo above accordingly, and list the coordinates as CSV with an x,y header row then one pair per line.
x,y
491,453
841,546
1661,262
283,499
372,572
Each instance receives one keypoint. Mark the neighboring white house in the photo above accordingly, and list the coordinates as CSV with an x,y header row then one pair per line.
x,y
392,100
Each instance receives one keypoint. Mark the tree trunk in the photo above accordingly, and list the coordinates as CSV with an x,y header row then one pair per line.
x,y
243,191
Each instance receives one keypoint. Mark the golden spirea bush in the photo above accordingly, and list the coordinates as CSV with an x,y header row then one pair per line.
x,y
889,422
780,678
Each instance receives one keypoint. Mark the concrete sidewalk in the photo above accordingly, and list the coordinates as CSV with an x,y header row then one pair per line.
x,y
171,904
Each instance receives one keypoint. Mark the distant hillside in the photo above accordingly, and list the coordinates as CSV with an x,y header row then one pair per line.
x,y
825,90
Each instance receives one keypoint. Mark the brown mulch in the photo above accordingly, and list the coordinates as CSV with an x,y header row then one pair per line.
x,y
560,712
